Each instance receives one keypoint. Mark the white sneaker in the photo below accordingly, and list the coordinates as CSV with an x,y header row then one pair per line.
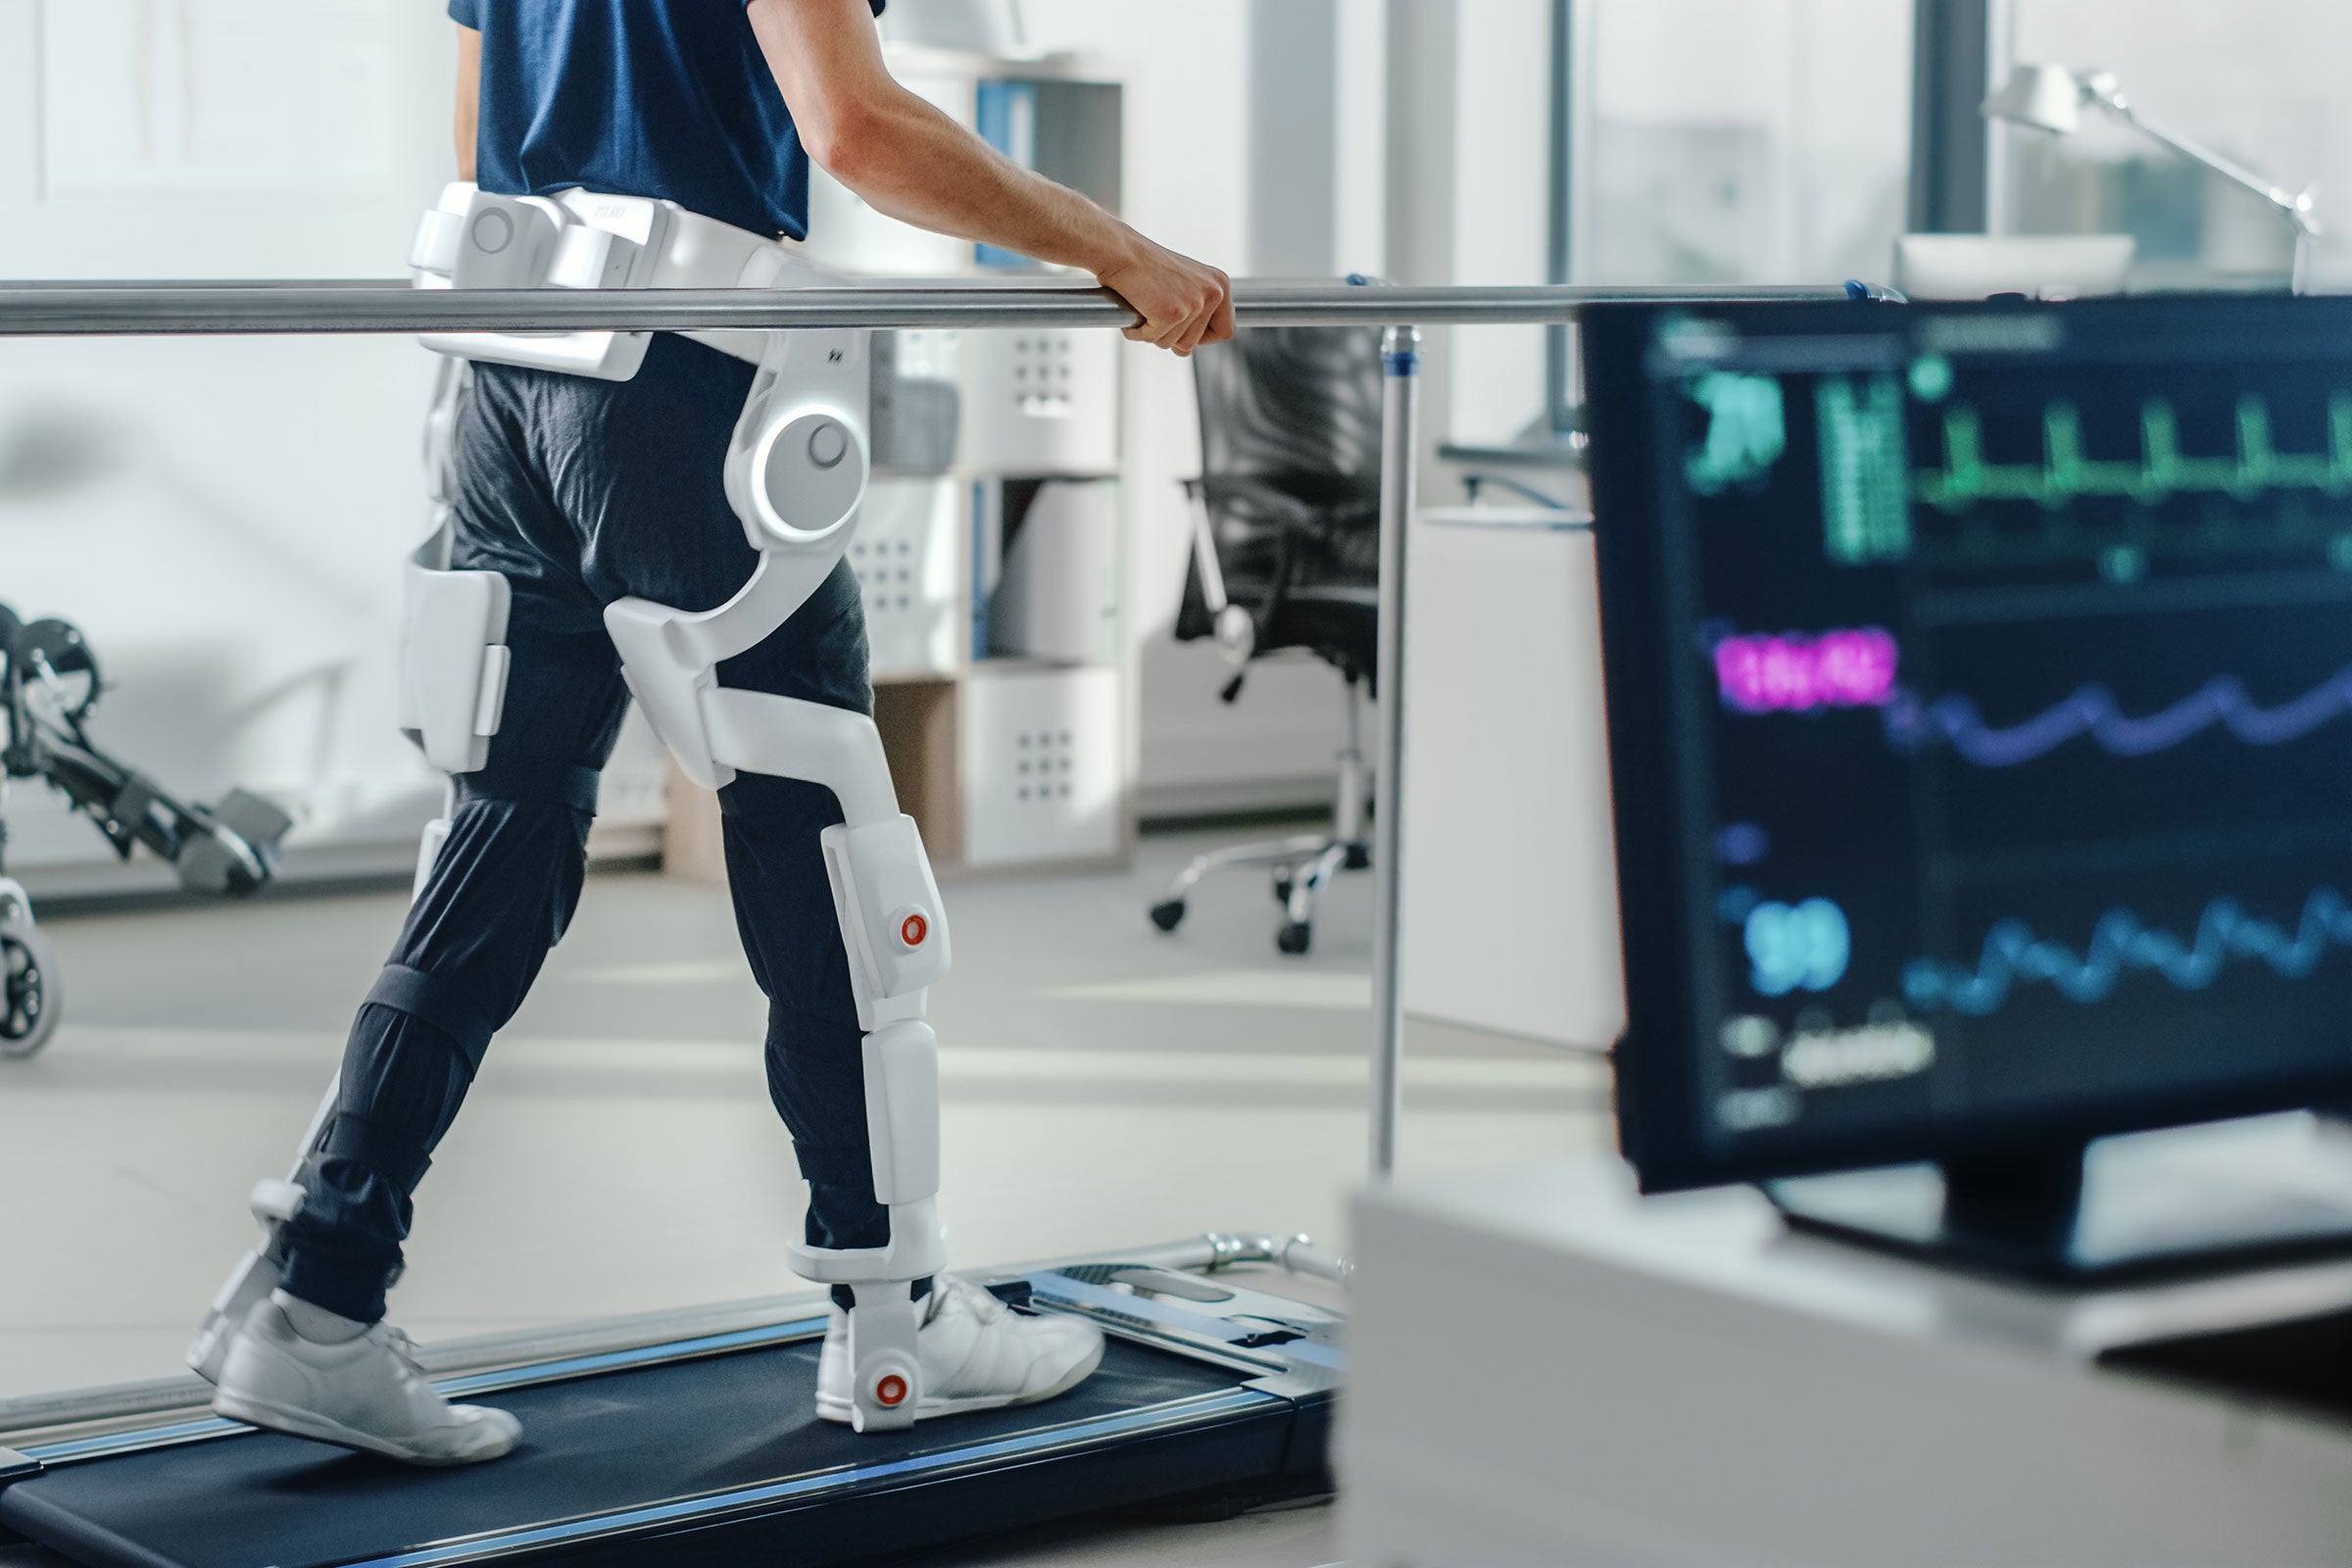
x,y
361,1390
973,1352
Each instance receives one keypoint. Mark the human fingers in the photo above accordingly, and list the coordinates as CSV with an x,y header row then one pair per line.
x,y
1213,321
1172,328
1206,294
1196,330
1220,321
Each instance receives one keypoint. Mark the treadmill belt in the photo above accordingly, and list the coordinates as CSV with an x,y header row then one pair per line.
x,y
708,1460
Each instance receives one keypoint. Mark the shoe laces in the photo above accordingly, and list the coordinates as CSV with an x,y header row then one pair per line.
x,y
404,1349
981,1303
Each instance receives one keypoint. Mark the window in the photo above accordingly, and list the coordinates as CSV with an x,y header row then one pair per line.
x,y
1741,141
1730,141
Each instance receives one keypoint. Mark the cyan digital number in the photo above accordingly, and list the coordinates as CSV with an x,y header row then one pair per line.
x,y
1799,947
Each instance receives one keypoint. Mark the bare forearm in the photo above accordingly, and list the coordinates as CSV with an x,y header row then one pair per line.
x,y
470,98
908,159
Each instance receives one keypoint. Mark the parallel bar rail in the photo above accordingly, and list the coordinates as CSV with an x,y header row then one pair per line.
x,y
235,307
198,308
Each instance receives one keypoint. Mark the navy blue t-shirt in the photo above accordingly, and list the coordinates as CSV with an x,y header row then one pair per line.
x,y
664,98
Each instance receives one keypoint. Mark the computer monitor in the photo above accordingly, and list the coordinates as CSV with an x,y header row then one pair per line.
x,y
1979,703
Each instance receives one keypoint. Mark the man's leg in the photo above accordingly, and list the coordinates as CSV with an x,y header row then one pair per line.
x,y
972,1353
314,1359
791,934
654,522
499,896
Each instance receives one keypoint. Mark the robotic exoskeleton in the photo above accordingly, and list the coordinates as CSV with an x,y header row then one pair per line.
x,y
796,476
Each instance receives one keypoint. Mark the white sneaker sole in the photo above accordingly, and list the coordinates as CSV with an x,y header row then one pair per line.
x,y
320,1429
831,1408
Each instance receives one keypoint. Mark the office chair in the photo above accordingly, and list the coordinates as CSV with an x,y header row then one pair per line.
x,y
1286,555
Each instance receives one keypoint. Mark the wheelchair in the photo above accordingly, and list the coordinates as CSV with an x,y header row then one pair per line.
x,y
49,687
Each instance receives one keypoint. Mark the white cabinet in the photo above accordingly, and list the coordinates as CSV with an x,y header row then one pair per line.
x,y
1040,402
907,557
1511,869
1042,774
1055,596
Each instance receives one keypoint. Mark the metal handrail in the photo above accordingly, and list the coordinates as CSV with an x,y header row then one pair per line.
x,y
66,309
130,309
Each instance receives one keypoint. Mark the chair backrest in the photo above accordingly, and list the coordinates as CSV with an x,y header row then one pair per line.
x,y
1297,408
1289,461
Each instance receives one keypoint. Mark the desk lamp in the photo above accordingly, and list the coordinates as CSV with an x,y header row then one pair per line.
x,y
2052,98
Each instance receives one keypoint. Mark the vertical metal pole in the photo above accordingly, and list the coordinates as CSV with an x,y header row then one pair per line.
x,y
1952,69
2000,59
1400,388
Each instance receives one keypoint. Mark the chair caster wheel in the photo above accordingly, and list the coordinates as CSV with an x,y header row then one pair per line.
x,y
1169,914
1360,858
1294,936
1282,887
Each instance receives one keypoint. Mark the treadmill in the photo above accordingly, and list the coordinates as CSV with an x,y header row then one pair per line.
x,y
692,1438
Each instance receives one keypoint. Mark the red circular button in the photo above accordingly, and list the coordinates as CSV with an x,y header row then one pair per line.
x,y
891,1392
913,929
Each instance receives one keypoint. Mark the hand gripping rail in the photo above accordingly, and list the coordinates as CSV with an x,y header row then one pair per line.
x,y
723,722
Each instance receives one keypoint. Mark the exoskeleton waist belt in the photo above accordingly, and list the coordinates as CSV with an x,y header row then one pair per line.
x,y
580,239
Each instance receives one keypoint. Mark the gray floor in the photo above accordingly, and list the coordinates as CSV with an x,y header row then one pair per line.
x,y
1104,1085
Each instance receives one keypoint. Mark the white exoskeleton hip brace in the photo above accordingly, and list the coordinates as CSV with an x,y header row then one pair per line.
x,y
796,476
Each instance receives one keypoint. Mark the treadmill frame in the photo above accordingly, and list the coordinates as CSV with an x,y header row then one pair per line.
x,y
1141,1295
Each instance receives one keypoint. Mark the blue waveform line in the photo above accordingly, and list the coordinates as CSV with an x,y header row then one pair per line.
x,y
2122,943
1913,725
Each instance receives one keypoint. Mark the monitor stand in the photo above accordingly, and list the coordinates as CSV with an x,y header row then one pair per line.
x,y
2185,1201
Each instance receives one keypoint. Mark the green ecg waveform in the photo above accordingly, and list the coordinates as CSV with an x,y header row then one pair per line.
x,y
2161,471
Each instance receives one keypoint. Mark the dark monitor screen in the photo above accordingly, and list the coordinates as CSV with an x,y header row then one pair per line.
x,y
1980,686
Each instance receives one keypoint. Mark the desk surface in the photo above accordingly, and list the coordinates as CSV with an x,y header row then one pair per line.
x,y
1731,1241
1547,1368
1512,456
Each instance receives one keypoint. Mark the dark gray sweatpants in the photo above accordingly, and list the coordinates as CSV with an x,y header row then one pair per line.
x,y
581,493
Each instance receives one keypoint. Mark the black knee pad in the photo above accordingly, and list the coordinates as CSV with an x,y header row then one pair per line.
x,y
519,778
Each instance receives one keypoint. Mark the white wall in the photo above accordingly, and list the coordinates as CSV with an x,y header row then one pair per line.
x,y
1744,140
1501,211
1469,201
224,517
